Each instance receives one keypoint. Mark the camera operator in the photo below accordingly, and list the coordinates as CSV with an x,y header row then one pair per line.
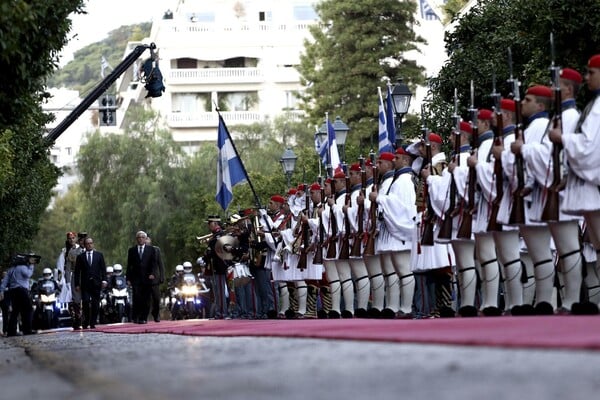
x,y
15,285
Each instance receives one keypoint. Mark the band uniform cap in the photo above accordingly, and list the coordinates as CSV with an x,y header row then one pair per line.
x,y
508,105
301,187
571,74
368,163
400,151
387,156
434,137
315,186
234,218
466,127
339,175
292,191
278,199
328,180
213,218
540,90
594,61
485,115
355,167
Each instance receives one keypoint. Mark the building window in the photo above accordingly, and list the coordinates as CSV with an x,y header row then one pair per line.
x,y
54,158
187,63
265,16
204,16
190,102
237,62
238,101
305,13
69,150
291,101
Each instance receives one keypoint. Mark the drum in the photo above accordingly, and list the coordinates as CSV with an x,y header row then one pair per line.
x,y
239,273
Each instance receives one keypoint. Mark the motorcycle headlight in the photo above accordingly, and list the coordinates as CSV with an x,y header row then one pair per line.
x,y
189,290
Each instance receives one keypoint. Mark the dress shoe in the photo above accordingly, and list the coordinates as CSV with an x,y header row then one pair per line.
x,y
143,321
156,319
92,326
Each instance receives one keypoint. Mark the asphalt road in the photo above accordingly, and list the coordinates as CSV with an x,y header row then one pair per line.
x,y
90,365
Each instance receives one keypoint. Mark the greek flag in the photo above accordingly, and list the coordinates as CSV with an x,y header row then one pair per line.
x,y
327,149
384,141
230,170
389,115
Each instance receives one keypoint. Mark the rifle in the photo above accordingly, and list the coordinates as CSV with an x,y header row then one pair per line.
x,y
318,258
358,236
550,212
493,224
517,213
369,249
332,241
345,248
446,225
429,213
466,226
305,231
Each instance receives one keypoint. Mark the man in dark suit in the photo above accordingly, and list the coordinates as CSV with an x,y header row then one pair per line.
x,y
143,274
90,276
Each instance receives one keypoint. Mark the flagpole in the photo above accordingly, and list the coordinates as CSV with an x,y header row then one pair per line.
x,y
256,199
329,164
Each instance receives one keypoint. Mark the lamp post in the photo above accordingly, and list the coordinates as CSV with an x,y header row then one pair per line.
x,y
401,96
288,164
341,134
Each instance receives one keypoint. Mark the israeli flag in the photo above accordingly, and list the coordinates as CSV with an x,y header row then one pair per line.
x,y
384,141
230,170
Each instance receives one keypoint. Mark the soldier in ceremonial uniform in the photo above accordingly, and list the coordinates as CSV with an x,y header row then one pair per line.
x,y
372,261
464,249
580,144
434,260
398,212
535,148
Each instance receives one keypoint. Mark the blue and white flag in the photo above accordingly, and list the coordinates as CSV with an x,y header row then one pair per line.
x,y
384,141
389,115
327,149
230,170
334,155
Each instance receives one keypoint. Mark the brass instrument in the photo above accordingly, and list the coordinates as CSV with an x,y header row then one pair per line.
x,y
204,238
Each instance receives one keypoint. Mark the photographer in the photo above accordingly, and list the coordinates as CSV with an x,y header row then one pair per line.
x,y
15,285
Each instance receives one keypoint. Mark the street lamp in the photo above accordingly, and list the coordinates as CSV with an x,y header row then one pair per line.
x,y
288,164
401,96
341,134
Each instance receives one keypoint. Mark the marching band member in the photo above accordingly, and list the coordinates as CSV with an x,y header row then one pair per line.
x,y
535,148
581,196
316,253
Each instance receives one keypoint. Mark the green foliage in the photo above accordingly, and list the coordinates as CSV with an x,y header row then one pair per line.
x,y
32,33
478,47
83,72
452,8
358,45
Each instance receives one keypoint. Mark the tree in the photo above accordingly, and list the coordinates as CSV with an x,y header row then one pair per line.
x,y
125,184
357,45
478,47
32,33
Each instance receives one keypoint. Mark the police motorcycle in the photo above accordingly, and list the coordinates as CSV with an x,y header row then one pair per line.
x,y
186,294
45,292
119,294
114,298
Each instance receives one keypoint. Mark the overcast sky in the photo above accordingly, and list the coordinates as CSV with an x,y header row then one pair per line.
x,y
104,16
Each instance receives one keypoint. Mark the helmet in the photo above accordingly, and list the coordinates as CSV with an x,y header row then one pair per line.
x,y
179,268
47,273
109,270
187,266
118,268
200,261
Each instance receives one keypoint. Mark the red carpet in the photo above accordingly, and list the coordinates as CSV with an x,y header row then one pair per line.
x,y
557,332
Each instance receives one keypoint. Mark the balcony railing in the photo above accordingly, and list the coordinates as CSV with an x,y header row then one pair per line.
x,y
215,75
211,119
